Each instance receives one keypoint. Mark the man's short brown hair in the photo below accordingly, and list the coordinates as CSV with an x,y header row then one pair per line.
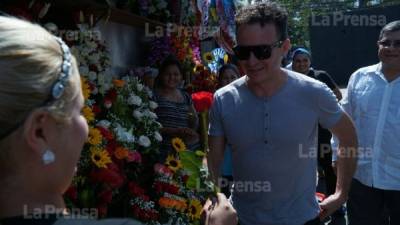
x,y
265,12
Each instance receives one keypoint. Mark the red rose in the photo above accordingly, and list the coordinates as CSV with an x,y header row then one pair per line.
x,y
202,100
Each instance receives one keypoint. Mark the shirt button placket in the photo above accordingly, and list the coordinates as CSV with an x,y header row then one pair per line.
x,y
266,122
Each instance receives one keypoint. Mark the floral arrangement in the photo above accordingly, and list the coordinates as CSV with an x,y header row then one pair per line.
x,y
122,129
120,172
180,188
204,80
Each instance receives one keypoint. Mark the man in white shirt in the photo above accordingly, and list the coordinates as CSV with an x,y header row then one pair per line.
x,y
373,102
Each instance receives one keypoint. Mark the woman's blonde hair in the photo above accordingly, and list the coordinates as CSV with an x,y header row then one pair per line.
x,y
30,64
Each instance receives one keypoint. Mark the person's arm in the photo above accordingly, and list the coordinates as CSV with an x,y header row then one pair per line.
x,y
215,156
193,118
345,132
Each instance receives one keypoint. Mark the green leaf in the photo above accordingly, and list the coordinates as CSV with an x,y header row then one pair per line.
x,y
190,161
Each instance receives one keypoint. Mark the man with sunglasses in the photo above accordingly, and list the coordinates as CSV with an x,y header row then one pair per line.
x,y
373,102
270,117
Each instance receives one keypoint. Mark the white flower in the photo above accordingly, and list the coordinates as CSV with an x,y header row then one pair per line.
x,y
95,91
124,135
92,76
158,136
94,58
144,141
104,123
153,105
92,45
99,67
100,78
137,114
134,100
84,70
149,92
150,114
85,51
139,86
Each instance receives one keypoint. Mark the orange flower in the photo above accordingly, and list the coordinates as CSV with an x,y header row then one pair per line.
x,y
172,203
118,83
121,153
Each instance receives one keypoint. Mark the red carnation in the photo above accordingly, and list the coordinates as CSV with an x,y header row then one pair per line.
x,y
106,133
96,109
108,176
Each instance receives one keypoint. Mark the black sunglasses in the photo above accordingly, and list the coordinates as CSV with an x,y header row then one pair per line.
x,y
388,43
261,52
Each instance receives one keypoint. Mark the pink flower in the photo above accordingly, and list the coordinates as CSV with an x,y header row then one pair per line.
x,y
162,169
134,157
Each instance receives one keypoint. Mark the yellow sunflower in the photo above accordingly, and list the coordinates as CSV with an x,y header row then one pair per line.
x,y
88,113
194,209
226,58
85,88
178,144
94,136
173,163
100,157
198,68
208,57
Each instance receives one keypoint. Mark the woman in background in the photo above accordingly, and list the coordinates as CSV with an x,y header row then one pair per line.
x,y
175,108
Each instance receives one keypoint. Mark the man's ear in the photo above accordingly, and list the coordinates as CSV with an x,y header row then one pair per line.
x,y
35,133
286,45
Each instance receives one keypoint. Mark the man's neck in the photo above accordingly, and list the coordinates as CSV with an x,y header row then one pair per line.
x,y
391,72
268,87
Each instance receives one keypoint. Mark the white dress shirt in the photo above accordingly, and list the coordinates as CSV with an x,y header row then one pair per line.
x,y
374,105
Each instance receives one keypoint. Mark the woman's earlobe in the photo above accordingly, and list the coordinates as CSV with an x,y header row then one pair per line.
x,y
33,131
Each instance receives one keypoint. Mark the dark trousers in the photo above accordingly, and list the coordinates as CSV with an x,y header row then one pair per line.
x,y
372,206
315,221
325,162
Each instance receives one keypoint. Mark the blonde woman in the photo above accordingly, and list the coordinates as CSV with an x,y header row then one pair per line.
x,y
42,130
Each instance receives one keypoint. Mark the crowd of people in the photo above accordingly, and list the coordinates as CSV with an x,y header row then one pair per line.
x,y
265,127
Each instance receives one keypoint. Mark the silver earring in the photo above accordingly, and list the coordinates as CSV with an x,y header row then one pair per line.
x,y
48,157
